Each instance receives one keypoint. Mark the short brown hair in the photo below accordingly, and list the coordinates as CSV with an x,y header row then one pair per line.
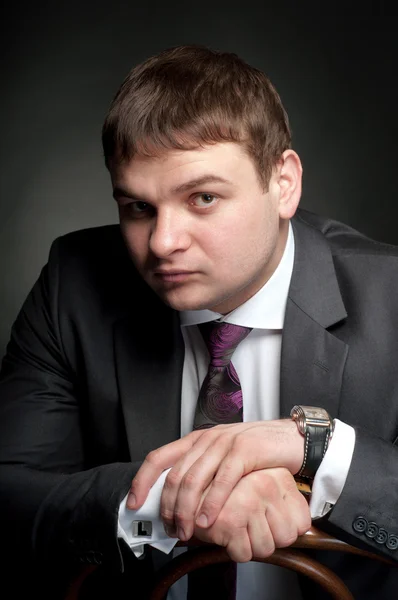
x,y
189,96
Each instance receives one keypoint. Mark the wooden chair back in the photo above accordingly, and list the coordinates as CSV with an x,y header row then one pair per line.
x,y
291,558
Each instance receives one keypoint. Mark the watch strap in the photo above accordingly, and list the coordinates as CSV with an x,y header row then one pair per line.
x,y
315,424
316,441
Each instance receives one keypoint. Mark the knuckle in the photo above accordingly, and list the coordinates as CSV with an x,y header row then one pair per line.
x,y
173,479
136,483
258,478
239,552
210,434
260,484
271,491
167,516
303,520
286,540
305,525
181,517
244,556
266,479
189,481
225,478
211,505
154,457
268,549
224,438
239,442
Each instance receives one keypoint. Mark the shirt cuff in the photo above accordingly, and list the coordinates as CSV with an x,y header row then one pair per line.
x,y
148,512
332,474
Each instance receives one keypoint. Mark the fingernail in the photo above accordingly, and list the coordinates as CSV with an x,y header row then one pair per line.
x,y
181,534
170,531
202,521
131,500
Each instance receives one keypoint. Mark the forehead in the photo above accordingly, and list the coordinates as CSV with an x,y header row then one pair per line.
x,y
172,167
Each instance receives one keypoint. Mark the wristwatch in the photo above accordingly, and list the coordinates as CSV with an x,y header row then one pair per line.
x,y
316,426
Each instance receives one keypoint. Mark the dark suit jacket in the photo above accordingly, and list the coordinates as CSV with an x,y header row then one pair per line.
x,y
91,382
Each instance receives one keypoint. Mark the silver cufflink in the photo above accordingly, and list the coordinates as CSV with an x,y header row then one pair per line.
x,y
142,528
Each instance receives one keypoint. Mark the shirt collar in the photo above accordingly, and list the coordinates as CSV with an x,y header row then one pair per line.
x,y
264,310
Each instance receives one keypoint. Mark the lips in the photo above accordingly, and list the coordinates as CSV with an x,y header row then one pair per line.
x,y
172,272
173,276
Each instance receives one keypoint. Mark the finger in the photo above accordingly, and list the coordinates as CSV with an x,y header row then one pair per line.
x,y
194,471
297,505
233,538
260,536
235,465
282,524
287,511
246,506
154,464
187,481
230,531
231,527
239,548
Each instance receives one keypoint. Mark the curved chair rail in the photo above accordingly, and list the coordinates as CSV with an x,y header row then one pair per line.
x,y
292,558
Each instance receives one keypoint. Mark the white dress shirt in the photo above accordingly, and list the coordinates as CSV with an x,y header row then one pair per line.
x,y
257,363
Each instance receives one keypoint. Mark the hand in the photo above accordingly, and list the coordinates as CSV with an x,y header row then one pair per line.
x,y
216,459
264,511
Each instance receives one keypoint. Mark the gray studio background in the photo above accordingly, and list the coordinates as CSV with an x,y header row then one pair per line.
x,y
62,64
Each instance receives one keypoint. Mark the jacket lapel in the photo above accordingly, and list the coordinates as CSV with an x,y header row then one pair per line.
x,y
313,359
149,354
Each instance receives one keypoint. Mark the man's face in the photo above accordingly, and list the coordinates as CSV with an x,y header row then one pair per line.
x,y
199,226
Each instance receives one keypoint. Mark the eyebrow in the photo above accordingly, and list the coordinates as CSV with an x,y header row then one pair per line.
x,y
119,192
199,181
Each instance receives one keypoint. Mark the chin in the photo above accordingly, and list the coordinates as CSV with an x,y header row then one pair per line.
x,y
181,303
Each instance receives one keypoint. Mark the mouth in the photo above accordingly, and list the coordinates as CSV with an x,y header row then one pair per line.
x,y
173,276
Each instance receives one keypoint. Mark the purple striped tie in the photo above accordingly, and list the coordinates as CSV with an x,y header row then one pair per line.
x,y
220,401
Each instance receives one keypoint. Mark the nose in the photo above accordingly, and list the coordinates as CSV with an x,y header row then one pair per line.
x,y
169,234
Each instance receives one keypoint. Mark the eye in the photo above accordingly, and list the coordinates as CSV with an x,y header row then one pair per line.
x,y
203,200
136,209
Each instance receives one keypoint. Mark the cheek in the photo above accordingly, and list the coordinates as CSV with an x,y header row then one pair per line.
x,y
137,243
262,228
244,245
242,236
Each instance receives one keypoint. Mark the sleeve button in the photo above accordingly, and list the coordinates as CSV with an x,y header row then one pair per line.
x,y
382,536
372,530
392,542
360,524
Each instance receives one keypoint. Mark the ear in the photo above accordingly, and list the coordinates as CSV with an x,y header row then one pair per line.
x,y
289,175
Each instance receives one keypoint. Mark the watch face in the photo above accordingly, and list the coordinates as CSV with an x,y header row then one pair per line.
x,y
313,412
310,415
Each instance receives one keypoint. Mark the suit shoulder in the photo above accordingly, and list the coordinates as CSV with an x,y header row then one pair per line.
x,y
95,257
106,238
344,239
95,249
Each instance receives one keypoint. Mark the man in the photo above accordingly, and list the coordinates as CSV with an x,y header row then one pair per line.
x,y
107,371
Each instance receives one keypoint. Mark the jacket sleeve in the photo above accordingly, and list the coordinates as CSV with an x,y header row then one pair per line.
x,y
51,504
366,511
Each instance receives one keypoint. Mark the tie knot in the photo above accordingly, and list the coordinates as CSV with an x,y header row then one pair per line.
x,y
221,340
